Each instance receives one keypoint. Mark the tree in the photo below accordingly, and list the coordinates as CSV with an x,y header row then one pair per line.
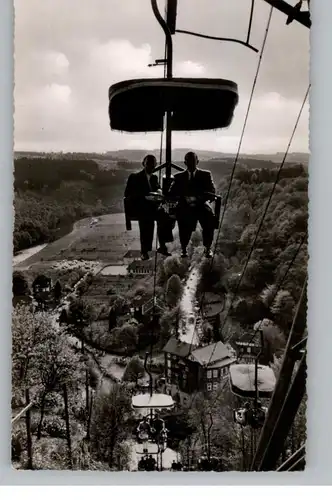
x,y
134,370
119,304
41,356
125,337
169,323
207,333
112,319
63,318
173,290
273,340
20,284
173,265
110,419
79,316
55,364
283,309
57,291
268,295
29,330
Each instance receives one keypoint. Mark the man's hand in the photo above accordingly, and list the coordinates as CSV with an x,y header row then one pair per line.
x,y
191,200
157,196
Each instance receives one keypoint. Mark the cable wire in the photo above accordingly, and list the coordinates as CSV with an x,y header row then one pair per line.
x,y
237,155
267,205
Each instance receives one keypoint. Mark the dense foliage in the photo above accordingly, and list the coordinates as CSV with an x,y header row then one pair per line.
x,y
263,291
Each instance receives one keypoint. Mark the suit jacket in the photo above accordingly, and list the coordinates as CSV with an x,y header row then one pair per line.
x,y
137,188
201,183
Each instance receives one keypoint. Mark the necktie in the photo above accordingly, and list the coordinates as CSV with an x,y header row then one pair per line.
x,y
191,184
192,178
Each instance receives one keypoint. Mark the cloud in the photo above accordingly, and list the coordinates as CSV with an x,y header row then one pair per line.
x,y
56,63
121,57
56,94
189,69
68,54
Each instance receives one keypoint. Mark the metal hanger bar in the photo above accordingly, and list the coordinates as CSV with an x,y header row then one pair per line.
x,y
222,39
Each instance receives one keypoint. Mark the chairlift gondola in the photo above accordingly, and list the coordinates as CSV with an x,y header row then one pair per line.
x,y
130,208
188,104
152,428
242,380
253,416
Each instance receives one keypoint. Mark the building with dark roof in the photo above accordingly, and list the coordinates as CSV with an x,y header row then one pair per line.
x,y
196,369
248,347
141,267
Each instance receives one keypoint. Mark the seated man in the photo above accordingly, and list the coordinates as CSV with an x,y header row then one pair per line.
x,y
138,189
189,187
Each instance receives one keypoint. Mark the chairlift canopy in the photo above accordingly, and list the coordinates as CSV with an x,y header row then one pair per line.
x,y
195,103
155,401
242,380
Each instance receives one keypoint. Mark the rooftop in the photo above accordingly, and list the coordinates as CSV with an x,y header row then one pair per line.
x,y
174,346
140,264
252,338
211,353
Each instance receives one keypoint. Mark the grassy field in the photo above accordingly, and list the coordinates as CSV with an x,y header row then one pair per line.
x,y
108,241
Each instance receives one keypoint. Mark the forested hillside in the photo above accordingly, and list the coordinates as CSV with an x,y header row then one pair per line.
x,y
263,292
50,194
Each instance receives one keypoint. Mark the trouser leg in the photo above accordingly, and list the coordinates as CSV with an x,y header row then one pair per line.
x,y
186,223
146,229
164,228
206,220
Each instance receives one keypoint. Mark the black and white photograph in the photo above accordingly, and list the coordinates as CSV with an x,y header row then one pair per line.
x,y
160,237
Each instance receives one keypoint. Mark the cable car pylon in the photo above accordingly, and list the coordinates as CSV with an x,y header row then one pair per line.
x,y
285,401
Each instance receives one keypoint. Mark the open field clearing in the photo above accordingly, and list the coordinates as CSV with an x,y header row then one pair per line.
x,y
106,241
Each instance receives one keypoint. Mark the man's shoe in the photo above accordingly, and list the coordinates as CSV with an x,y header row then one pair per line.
x,y
184,254
164,251
208,253
144,256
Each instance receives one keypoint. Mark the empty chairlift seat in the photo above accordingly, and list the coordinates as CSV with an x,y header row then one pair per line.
x,y
195,103
242,380
156,401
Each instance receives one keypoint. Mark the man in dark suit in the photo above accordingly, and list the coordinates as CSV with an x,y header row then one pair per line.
x,y
190,188
138,190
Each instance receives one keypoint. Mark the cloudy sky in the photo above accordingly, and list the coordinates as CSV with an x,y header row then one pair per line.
x,y
68,52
